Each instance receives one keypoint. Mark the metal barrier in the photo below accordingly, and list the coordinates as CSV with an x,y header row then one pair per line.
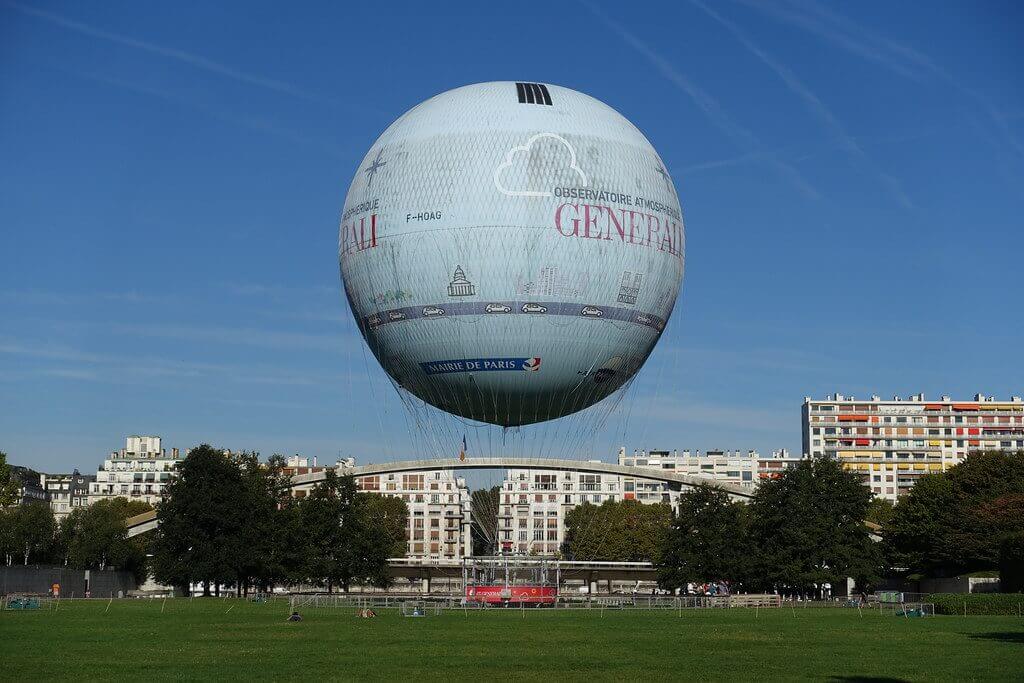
x,y
625,602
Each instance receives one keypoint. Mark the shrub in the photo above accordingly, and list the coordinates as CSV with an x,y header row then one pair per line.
x,y
1011,564
977,603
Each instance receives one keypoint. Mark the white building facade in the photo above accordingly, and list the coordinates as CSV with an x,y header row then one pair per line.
x,y
439,510
891,444
772,466
736,468
66,492
139,471
533,503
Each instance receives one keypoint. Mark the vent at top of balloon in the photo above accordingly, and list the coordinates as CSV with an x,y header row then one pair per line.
x,y
511,251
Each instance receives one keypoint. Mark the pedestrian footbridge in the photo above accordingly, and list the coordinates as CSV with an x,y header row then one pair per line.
x,y
140,524
675,480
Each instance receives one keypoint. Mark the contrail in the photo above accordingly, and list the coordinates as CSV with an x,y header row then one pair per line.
x,y
813,102
193,60
904,60
708,104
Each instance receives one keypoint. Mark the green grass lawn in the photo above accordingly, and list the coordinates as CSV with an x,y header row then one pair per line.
x,y
234,639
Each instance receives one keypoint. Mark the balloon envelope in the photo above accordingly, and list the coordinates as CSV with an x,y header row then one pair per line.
x,y
511,251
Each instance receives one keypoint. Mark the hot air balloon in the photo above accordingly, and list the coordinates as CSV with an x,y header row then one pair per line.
x,y
511,252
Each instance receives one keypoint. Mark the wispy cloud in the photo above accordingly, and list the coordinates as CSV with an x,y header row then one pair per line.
x,y
191,59
803,153
683,410
240,336
300,303
39,296
257,123
840,31
852,42
72,363
813,103
71,373
787,360
710,106
280,291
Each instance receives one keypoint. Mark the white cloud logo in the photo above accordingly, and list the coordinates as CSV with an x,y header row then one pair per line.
x,y
510,158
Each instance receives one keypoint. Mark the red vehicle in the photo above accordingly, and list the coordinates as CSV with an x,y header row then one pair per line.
x,y
510,581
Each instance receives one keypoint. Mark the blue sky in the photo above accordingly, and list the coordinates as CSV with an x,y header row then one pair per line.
x,y
171,177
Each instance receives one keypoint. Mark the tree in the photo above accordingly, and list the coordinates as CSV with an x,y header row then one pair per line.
x,y
623,531
263,542
349,536
955,521
707,540
913,533
97,538
385,518
293,545
32,528
8,548
380,535
200,535
329,540
1011,563
879,511
10,486
808,529
125,508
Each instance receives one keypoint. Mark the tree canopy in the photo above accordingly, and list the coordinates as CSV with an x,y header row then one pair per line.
x,y
957,520
800,531
9,484
96,537
807,528
230,520
708,540
202,519
618,531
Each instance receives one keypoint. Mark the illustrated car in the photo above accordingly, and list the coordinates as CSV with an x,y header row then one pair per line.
x,y
643,319
396,315
498,308
534,308
432,311
591,312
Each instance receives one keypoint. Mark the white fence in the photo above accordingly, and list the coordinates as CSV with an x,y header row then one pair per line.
x,y
379,601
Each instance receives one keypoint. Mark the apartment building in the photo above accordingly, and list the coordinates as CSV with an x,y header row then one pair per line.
x,y
533,503
439,510
891,444
139,471
297,464
65,492
772,466
29,490
736,468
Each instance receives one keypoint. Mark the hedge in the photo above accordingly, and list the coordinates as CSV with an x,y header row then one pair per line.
x,y
977,603
1011,563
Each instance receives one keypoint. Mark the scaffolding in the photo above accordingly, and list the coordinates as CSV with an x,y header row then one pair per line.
x,y
507,580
